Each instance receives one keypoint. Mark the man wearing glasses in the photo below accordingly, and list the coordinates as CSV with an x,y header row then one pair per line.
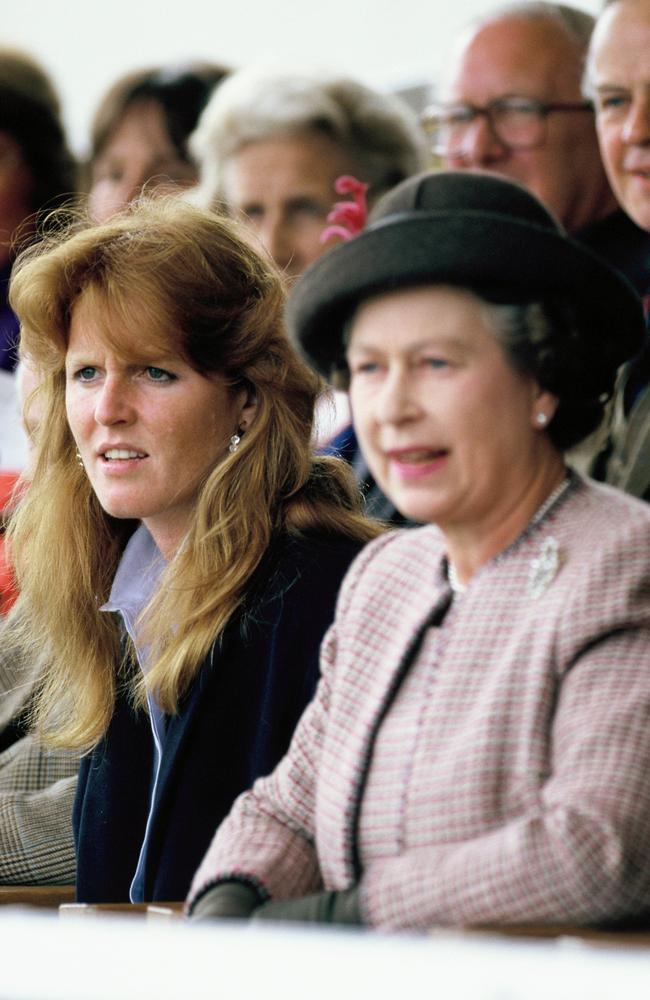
x,y
513,104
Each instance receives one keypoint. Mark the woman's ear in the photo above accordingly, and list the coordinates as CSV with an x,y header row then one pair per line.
x,y
544,406
248,409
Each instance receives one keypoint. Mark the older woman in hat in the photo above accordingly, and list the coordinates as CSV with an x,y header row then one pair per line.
x,y
478,749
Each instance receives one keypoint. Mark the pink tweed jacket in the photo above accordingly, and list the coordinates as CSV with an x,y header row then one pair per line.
x,y
481,759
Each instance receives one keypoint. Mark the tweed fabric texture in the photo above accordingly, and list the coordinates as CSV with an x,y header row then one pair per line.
x,y
499,772
37,789
16,682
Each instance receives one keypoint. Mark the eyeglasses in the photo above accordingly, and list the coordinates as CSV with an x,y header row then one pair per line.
x,y
518,122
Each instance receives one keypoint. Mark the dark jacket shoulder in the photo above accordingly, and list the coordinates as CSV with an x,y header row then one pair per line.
x,y
233,725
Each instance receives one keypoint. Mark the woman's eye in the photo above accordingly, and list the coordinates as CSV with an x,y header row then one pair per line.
x,y
86,374
159,374
612,102
252,212
364,368
436,362
308,208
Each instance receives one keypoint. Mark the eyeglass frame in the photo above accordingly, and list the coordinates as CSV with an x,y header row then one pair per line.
x,y
541,109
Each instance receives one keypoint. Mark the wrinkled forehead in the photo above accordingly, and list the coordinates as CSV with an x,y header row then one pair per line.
x,y
131,326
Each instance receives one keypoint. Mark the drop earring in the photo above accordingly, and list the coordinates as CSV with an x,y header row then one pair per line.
x,y
234,444
80,460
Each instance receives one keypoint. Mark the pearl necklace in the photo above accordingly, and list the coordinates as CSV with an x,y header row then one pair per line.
x,y
459,588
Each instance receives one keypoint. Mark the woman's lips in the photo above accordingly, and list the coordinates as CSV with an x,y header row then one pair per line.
x,y
121,461
415,463
122,454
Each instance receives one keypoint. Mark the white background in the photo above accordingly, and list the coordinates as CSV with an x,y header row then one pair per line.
x,y
86,44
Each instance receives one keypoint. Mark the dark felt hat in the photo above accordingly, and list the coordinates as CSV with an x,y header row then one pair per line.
x,y
475,231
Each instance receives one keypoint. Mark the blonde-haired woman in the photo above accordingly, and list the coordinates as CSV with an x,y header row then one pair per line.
x,y
179,549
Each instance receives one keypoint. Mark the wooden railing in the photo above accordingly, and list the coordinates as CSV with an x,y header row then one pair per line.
x,y
36,895
63,897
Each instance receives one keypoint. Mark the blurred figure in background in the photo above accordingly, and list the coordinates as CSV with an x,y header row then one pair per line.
x,y
37,170
140,130
270,147
37,174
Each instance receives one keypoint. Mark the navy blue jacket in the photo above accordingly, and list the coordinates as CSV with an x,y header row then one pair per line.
x,y
233,725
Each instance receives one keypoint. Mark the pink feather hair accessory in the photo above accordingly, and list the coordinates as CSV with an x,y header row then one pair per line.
x,y
347,218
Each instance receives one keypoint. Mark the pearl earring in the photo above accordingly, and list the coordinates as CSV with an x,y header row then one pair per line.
x,y
234,444
541,419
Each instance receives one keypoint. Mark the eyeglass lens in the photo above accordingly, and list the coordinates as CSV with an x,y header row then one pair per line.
x,y
518,126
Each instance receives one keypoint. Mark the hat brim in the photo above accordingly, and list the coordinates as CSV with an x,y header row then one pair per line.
x,y
501,258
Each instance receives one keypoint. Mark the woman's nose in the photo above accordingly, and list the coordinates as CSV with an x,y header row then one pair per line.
x,y
276,236
397,402
112,403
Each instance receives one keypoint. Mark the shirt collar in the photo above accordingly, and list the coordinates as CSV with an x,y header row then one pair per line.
x,y
138,574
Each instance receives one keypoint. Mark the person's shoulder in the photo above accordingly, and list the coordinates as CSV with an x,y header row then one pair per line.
x,y
604,534
622,243
604,546
412,549
395,562
405,544
605,512
299,566
317,552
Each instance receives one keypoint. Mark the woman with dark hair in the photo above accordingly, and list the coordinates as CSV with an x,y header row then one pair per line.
x,y
37,171
140,130
179,549
478,749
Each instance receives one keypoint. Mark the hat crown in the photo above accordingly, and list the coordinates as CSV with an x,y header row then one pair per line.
x,y
457,190
479,232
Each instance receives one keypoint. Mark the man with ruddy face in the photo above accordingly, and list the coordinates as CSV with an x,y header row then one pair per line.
x,y
512,104
618,78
